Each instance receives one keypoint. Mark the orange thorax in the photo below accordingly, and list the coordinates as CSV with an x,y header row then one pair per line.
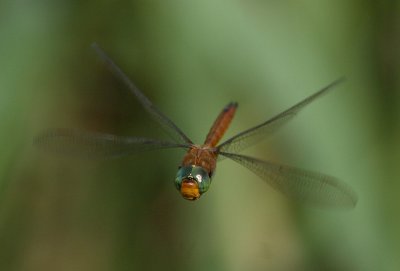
x,y
202,156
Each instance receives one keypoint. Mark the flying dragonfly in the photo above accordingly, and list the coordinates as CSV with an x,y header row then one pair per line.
x,y
198,165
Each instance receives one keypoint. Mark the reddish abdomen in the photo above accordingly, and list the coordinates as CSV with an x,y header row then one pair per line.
x,y
220,125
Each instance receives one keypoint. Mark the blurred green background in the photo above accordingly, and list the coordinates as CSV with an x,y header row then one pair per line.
x,y
191,58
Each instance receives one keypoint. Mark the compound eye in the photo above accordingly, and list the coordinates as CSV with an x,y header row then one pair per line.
x,y
192,182
202,177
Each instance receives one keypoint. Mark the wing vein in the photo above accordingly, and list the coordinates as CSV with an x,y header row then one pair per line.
x,y
160,117
94,144
299,184
254,134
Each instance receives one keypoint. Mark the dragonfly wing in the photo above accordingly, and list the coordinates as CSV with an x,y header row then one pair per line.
x,y
92,144
161,118
299,184
254,134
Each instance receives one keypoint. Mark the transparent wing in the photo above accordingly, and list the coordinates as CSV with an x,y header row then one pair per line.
x,y
165,122
92,144
299,184
256,133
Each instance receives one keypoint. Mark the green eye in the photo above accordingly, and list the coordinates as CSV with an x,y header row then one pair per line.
x,y
202,178
194,174
182,174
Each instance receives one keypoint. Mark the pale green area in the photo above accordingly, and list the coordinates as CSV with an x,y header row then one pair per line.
x,y
191,58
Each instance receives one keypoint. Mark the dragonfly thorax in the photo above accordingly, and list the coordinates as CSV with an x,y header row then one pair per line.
x,y
201,156
192,181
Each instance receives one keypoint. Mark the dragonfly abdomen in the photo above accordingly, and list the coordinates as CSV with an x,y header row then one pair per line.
x,y
220,125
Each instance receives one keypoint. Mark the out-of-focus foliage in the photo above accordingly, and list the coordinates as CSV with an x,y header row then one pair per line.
x,y
191,58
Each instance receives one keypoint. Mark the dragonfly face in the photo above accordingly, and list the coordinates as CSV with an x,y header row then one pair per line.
x,y
192,181
194,176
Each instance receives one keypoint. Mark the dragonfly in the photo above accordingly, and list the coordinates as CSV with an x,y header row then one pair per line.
x,y
196,171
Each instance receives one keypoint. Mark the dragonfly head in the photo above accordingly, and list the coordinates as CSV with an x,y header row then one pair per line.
x,y
192,181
